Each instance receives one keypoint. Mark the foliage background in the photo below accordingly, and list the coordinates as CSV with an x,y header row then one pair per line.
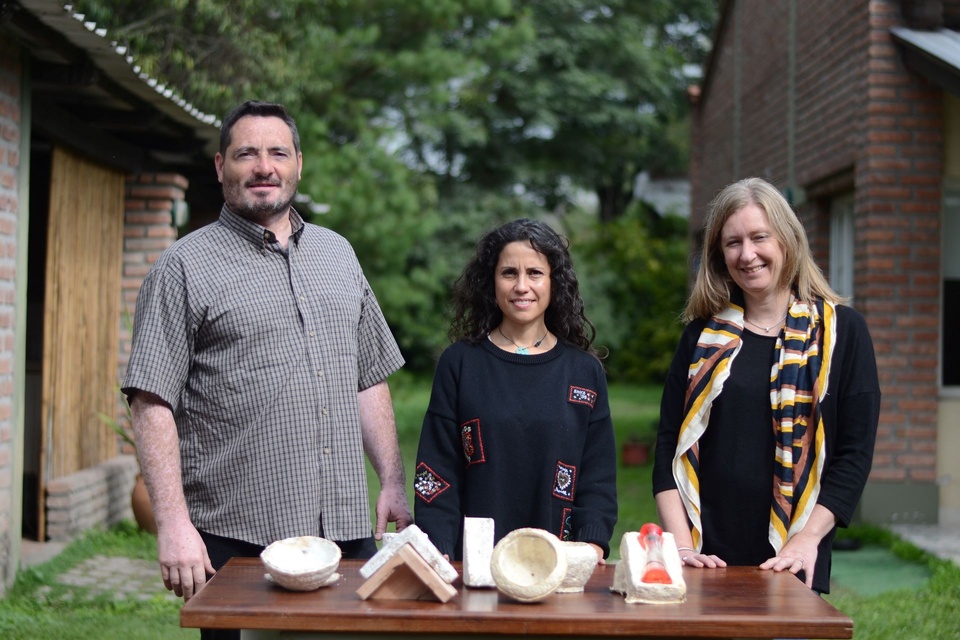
x,y
426,122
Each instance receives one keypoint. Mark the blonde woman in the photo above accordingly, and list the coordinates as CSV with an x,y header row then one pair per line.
x,y
769,412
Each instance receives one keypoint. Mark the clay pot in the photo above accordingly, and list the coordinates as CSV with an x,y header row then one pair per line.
x,y
634,454
142,510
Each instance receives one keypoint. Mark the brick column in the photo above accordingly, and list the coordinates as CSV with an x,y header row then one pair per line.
x,y
10,73
148,231
899,173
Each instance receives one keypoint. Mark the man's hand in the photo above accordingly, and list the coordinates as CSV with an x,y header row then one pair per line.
x,y
392,506
184,563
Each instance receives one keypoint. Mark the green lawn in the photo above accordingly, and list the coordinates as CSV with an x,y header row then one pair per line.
x,y
925,612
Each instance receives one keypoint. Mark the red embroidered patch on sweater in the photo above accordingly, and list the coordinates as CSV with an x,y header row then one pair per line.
x,y
428,484
579,395
472,441
566,526
565,481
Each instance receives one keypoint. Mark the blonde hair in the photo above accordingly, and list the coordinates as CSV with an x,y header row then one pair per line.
x,y
714,287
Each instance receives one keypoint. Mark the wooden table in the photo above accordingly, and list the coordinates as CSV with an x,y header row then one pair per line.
x,y
740,602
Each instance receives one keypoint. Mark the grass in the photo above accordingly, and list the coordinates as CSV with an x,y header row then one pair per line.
x,y
921,613
927,613
23,615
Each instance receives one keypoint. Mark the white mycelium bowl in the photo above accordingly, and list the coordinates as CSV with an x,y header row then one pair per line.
x,y
581,562
528,564
302,564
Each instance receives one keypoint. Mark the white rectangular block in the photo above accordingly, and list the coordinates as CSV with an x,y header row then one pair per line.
x,y
477,551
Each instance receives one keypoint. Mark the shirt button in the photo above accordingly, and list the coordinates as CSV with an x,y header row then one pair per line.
x,y
319,374
311,334
326,450
325,412
302,299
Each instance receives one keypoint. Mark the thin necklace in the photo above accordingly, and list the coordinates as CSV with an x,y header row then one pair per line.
x,y
524,351
765,329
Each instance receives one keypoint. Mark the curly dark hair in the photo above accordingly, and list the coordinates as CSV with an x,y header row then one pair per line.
x,y
474,296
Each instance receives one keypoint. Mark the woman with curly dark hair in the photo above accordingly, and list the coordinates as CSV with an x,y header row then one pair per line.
x,y
518,428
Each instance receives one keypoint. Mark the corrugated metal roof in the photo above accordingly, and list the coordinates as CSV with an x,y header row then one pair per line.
x,y
115,60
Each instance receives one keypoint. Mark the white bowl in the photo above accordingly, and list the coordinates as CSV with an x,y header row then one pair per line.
x,y
581,562
528,564
302,564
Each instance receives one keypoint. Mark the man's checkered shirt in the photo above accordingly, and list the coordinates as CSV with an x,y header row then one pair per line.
x,y
261,352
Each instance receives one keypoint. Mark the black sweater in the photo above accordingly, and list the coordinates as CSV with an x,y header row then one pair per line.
x,y
524,439
737,449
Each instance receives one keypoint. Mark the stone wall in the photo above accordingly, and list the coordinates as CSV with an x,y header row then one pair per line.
x,y
96,497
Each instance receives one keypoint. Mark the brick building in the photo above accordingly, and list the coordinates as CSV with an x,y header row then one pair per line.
x,y
97,166
852,109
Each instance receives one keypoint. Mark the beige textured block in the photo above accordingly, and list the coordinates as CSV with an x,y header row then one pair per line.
x,y
477,551
629,571
416,538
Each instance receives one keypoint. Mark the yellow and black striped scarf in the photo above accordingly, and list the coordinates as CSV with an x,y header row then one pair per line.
x,y
798,382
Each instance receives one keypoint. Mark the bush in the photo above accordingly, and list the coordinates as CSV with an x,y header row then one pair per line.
x,y
634,275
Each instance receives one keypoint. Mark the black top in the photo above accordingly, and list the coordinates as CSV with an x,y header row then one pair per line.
x,y
524,439
736,469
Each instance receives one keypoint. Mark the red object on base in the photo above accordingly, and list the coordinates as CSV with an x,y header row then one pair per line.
x,y
650,529
654,572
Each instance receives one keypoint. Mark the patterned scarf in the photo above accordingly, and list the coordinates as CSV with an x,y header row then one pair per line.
x,y
798,382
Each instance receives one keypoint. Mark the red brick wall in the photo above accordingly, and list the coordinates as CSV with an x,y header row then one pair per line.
x,y
763,89
831,69
713,121
10,73
862,121
830,76
148,230
898,174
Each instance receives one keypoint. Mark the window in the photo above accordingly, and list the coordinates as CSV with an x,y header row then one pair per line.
x,y
841,245
950,260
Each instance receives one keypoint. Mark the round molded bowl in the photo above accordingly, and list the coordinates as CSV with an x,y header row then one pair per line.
x,y
528,564
581,561
304,563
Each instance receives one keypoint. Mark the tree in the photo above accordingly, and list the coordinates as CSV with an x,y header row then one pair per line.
x,y
593,98
634,274
424,122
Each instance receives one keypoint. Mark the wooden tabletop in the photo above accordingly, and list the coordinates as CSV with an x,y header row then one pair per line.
x,y
737,601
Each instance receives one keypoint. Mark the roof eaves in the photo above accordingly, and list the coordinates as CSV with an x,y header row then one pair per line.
x,y
934,54
116,61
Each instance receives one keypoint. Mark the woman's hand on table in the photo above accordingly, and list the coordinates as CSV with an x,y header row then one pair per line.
x,y
690,558
799,554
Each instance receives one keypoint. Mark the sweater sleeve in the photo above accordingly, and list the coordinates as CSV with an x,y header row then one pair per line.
x,y
440,468
671,409
595,509
854,417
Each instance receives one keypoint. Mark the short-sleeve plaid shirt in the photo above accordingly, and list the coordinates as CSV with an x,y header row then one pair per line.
x,y
260,352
